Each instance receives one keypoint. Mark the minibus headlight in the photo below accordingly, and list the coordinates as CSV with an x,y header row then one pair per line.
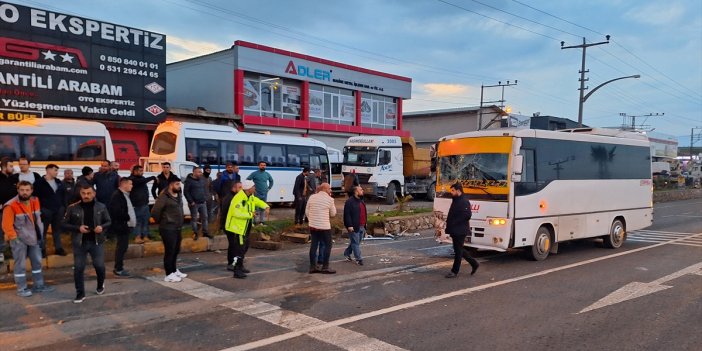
x,y
497,221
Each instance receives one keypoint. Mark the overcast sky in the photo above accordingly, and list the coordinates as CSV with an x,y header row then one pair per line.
x,y
449,48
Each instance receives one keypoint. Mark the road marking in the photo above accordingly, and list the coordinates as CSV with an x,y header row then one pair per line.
x,y
649,236
340,337
431,299
637,289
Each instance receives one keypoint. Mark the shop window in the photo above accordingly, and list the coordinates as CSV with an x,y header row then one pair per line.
x,y
271,97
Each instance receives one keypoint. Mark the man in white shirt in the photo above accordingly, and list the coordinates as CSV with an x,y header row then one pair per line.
x,y
320,208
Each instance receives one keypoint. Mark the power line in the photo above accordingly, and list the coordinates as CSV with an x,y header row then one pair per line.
x,y
526,19
618,44
495,19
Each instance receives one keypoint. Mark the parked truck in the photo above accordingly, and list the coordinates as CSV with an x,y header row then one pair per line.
x,y
389,167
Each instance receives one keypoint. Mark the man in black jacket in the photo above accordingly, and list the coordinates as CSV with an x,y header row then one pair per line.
x,y
86,179
87,220
355,218
163,179
299,192
51,196
69,186
168,213
140,200
8,190
123,222
458,227
106,181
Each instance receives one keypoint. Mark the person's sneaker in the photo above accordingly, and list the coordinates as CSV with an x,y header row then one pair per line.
x,y
172,278
100,290
243,269
138,240
451,275
61,252
208,236
348,258
79,298
314,269
180,274
43,289
359,262
328,270
195,237
239,274
230,267
24,293
121,273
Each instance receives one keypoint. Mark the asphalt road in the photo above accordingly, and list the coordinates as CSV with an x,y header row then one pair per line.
x,y
645,296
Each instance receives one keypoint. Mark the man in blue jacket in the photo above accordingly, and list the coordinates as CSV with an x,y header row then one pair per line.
x,y
458,227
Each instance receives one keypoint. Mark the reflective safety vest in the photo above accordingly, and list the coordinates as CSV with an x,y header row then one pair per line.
x,y
241,211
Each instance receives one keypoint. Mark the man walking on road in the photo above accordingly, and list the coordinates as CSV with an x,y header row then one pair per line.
x,y
140,200
21,223
8,190
51,196
123,223
300,193
88,221
196,195
238,225
168,213
458,227
320,208
264,182
355,216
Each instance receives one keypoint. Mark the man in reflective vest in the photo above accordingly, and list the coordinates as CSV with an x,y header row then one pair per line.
x,y
238,224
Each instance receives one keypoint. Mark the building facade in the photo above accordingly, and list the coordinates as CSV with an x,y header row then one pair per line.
x,y
290,93
428,126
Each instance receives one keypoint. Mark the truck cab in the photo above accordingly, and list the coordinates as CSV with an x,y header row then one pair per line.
x,y
378,164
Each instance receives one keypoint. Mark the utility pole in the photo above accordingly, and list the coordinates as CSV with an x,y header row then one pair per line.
x,y
582,89
501,101
692,138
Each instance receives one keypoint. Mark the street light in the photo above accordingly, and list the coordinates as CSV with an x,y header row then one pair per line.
x,y
582,101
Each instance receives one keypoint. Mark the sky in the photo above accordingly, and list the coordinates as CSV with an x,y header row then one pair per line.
x,y
451,47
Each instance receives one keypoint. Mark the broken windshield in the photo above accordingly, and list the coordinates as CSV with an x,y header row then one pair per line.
x,y
474,170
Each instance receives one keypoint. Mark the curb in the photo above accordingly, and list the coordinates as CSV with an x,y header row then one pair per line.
x,y
153,248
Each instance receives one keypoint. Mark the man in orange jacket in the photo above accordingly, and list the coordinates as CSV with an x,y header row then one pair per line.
x,y
21,222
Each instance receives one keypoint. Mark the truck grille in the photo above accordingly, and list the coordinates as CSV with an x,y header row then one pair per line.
x,y
362,178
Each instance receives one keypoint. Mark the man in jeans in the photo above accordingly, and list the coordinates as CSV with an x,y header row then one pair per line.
x,y
264,183
140,200
196,194
21,223
320,208
355,217
88,221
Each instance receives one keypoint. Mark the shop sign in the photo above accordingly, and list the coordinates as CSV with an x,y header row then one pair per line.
x,y
69,66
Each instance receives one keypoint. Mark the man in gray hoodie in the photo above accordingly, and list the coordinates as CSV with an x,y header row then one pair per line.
x,y
196,194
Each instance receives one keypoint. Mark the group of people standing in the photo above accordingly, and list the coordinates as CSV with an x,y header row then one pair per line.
x,y
97,206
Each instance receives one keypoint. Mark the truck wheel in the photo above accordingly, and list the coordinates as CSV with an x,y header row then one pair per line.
x,y
542,245
616,236
390,194
431,192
